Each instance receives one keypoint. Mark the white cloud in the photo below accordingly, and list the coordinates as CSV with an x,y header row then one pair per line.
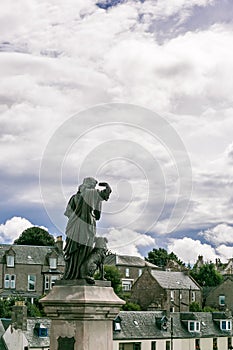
x,y
221,233
128,242
226,252
13,227
77,55
188,249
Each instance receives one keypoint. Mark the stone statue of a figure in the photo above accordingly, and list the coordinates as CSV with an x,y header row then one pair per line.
x,y
83,209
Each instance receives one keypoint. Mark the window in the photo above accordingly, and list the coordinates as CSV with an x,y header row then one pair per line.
x,y
193,296
193,326
9,281
130,346
117,326
126,285
40,330
10,261
52,263
197,344
12,281
153,345
180,295
127,272
168,345
221,299
139,272
31,282
46,282
225,325
172,309
215,343
53,280
172,295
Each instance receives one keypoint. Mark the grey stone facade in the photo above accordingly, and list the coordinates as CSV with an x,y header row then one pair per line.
x,y
29,271
165,290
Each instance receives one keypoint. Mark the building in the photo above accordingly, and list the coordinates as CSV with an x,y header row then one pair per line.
x,y
165,290
132,330
29,271
158,330
130,267
221,296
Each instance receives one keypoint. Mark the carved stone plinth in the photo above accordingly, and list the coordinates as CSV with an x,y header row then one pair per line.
x,y
81,315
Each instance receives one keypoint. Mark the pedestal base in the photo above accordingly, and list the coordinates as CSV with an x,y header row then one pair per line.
x,y
81,315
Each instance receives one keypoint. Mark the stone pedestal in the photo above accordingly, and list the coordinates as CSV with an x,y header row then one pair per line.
x,y
81,315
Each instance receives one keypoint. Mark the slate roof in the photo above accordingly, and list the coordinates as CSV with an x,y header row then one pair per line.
x,y
27,254
127,260
174,280
34,340
142,325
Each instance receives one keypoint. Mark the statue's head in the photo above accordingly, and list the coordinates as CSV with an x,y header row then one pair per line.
x,y
88,183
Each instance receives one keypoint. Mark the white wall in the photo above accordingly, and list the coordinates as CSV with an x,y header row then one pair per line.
x,y
178,344
15,339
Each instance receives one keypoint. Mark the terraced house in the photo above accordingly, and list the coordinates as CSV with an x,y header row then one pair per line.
x,y
132,330
157,330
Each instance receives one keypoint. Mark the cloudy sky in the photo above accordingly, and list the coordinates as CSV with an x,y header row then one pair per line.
x,y
136,93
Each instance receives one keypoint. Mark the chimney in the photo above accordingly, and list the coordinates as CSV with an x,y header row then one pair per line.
x,y
19,315
59,244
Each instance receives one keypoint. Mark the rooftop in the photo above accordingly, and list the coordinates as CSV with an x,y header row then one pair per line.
x,y
174,280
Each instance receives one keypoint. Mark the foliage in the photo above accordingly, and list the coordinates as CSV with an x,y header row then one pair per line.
x,y
195,307
207,275
160,257
35,236
129,306
111,273
209,309
33,310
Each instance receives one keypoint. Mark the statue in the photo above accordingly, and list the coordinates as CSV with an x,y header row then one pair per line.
x,y
83,209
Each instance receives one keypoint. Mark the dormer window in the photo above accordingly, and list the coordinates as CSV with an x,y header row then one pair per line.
x,y
41,330
117,324
10,261
194,326
52,263
225,325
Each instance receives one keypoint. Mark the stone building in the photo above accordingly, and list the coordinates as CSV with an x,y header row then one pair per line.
x,y
165,290
29,271
221,296
130,267
157,330
132,330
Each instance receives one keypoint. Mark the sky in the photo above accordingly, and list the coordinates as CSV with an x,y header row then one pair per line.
x,y
134,93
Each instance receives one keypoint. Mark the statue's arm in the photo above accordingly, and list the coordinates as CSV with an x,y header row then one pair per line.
x,y
105,194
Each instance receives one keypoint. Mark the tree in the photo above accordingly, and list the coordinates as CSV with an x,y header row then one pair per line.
x,y
160,257
207,276
111,273
35,236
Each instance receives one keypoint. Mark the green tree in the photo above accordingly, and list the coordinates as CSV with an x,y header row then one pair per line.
x,y
160,257
35,236
195,307
111,273
129,306
207,276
